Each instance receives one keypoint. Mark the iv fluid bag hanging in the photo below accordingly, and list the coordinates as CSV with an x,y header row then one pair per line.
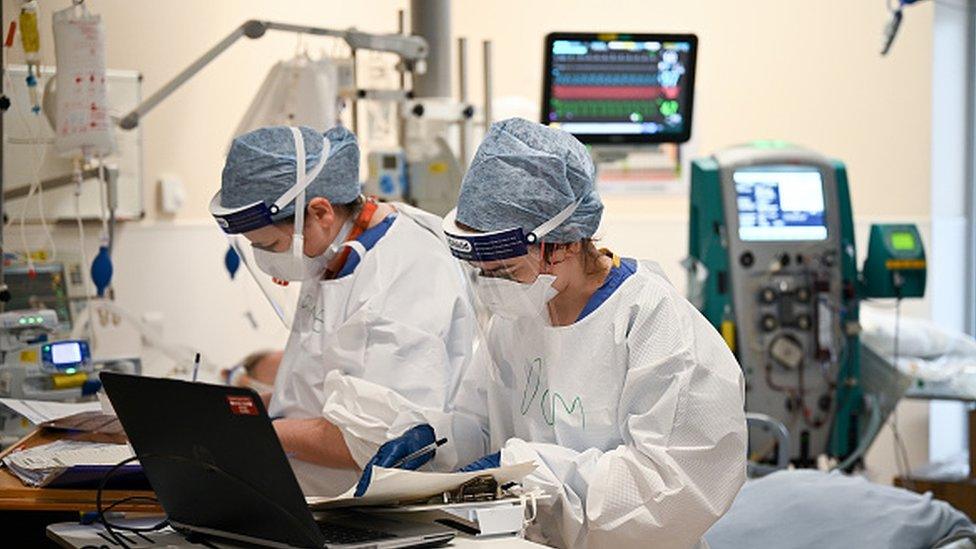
x,y
297,92
82,121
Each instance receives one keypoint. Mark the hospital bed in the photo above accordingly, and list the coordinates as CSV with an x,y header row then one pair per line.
x,y
812,509
806,509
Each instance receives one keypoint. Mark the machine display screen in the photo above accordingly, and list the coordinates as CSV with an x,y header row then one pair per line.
x,y
66,353
610,88
780,203
903,241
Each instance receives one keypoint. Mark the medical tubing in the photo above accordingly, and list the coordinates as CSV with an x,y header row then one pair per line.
x,y
312,537
874,425
35,186
84,256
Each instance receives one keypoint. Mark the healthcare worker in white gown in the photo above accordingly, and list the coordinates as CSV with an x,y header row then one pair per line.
x,y
597,370
382,300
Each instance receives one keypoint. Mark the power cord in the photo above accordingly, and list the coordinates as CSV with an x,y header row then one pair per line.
x,y
313,537
901,451
109,527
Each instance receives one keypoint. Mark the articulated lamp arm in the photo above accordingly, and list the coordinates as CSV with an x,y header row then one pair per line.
x,y
410,48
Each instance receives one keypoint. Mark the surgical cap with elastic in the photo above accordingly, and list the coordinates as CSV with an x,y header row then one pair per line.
x,y
525,173
261,167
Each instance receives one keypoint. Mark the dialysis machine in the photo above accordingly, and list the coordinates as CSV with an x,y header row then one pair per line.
x,y
773,266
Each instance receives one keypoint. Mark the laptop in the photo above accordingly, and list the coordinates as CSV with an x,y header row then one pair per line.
x,y
218,470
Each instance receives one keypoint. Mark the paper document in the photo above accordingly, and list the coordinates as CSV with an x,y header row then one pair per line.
x,y
392,486
39,411
39,465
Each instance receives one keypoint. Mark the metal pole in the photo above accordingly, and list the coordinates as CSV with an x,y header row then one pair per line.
x,y
970,292
486,52
252,29
355,86
410,48
401,123
465,126
431,19
3,221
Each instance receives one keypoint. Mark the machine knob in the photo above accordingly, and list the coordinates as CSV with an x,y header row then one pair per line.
x,y
767,295
784,260
418,110
769,323
747,259
803,294
824,403
803,322
829,258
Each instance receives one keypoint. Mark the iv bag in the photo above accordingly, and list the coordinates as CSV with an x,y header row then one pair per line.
x,y
82,121
297,92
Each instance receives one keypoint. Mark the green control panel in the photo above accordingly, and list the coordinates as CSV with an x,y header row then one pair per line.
x,y
895,266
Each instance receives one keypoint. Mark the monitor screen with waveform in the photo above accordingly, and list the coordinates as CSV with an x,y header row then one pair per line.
x,y
620,88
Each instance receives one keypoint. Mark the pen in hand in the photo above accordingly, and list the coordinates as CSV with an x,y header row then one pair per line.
x,y
421,452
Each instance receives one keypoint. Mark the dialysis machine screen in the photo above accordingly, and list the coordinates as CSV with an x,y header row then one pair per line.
x,y
780,203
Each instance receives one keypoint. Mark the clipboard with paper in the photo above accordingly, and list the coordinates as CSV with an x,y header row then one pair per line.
x,y
399,486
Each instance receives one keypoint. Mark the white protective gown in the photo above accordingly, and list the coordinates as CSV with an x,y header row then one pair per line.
x,y
402,319
634,415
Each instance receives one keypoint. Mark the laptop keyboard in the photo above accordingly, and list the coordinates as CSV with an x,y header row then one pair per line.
x,y
339,534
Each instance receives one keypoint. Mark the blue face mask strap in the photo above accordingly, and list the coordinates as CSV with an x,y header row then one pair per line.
x,y
547,227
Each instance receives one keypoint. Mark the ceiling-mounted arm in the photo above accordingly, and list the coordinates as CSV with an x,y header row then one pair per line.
x,y
410,48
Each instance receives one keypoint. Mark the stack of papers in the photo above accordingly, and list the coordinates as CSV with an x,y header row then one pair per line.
x,y
396,486
39,411
66,462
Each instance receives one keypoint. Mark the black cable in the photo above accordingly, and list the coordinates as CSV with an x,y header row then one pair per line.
x,y
109,527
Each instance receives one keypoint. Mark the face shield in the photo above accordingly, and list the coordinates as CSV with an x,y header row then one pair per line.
x,y
266,266
513,279
282,299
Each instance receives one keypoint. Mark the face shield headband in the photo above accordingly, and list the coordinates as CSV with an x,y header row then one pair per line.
x,y
498,245
259,214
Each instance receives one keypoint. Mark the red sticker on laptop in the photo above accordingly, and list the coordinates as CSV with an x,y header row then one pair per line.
x,y
242,405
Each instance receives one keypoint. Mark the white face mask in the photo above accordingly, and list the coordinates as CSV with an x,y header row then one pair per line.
x,y
512,300
293,265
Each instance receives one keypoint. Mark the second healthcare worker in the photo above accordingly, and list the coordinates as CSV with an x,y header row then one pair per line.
x,y
367,308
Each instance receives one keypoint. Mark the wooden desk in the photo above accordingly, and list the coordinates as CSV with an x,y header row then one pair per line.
x,y
15,496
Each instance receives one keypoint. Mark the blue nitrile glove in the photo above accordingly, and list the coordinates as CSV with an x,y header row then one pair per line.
x,y
397,449
488,462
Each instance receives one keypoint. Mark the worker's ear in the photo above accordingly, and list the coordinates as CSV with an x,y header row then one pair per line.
x,y
320,212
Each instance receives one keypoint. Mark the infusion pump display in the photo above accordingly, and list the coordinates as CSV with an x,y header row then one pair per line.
x,y
780,203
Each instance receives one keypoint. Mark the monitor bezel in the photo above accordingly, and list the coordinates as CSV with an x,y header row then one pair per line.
x,y
619,139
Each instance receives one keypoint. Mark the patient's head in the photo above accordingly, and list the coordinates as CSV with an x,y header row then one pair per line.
x,y
257,371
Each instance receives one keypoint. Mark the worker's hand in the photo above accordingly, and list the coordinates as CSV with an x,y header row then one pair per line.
x,y
488,462
393,451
